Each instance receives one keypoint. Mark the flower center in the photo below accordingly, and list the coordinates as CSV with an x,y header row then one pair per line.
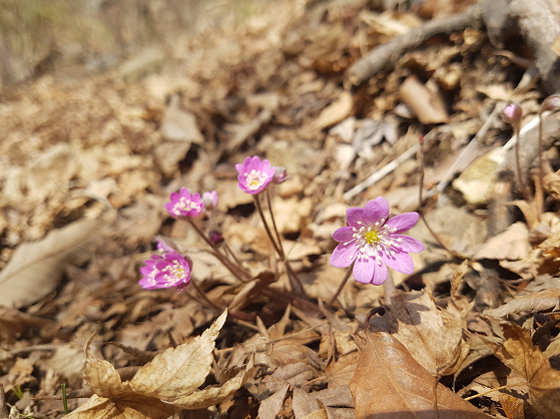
x,y
186,205
371,237
255,179
174,272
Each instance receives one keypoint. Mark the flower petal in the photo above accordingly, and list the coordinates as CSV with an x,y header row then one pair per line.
x,y
364,270
353,215
400,261
407,244
343,234
375,210
380,274
343,255
403,222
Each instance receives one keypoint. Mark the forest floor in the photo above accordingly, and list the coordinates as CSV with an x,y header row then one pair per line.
x,y
88,161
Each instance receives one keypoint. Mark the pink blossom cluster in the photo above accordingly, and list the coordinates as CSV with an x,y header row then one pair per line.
x,y
171,269
371,242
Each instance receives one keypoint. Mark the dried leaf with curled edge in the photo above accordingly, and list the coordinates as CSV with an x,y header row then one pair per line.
x,y
389,383
181,369
127,406
518,353
531,303
173,376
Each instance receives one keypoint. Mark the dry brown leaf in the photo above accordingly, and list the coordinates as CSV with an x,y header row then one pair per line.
x,y
14,322
390,383
518,352
427,105
129,406
335,112
270,407
433,337
36,268
304,404
512,244
179,370
173,376
538,301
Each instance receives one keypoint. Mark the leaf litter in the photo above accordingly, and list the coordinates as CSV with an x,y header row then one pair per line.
x,y
277,83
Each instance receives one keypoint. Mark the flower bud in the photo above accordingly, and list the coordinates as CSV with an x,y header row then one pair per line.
x,y
216,237
210,200
551,103
512,114
280,174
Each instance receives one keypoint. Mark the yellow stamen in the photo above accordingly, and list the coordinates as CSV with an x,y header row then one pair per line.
x,y
371,237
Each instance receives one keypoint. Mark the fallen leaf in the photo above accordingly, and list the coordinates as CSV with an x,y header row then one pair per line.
x,y
427,105
434,337
14,322
512,244
532,303
390,383
335,112
162,387
518,352
270,407
36,268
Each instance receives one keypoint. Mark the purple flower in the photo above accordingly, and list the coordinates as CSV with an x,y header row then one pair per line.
x,y
254,175
210,200
184,204
169,270
373,240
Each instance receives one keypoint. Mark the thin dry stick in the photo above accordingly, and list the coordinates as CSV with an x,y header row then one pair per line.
x,y
495,389
468,150
380,174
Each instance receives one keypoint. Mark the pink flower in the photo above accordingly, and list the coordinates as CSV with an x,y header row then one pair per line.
x,y
254,175
184,204
210,200
373,241
551,103
280,174
169,270
512,114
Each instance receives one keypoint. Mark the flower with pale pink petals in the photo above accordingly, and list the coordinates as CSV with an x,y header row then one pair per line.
x,y
210,200
280,174
373,240
166,271
184,204
254,175
512,114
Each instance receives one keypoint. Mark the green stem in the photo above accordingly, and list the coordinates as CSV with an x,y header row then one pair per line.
x,y
64,401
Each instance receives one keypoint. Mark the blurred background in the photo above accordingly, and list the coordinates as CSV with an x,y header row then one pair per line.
x,y
73,36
